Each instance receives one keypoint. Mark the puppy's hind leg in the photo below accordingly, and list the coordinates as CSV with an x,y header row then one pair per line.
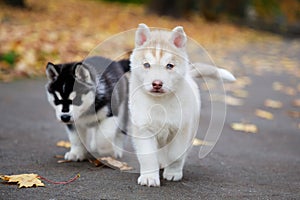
x,y
121,129
173,172
107,138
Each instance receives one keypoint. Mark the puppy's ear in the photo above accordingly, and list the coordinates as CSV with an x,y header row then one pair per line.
x,y
82,74
178,37
51,71
142,35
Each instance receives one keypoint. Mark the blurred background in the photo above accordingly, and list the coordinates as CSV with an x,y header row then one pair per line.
x,y
257,155
34,32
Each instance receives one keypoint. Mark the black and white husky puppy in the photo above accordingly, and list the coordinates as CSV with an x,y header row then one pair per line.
x,y
90,98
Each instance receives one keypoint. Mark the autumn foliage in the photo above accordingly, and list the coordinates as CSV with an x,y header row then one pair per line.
x,y
62,31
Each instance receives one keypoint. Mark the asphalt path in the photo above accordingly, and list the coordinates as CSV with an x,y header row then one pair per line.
x,y
262,165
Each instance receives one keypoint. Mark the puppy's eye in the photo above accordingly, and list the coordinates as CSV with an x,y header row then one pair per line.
x,y
147,65
170,66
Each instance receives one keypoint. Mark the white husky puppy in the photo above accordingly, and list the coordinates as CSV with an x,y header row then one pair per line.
x,y
164,103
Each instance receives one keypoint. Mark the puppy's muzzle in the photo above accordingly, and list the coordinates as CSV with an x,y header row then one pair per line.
x,y
65,118
157,86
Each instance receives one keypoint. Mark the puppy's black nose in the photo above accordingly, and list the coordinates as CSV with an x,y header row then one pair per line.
x,y
65,118
157,84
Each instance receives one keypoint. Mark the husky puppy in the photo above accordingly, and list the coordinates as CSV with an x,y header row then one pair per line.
x,y
164,102
90,98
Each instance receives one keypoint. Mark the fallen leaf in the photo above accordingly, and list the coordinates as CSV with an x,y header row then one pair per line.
x,y
277,86
229,100
111,162
248,128
243,81
294,114
272,103
289,91
264,114
64,161
240,93
96,162
198,142
232,101
59,156
65,144
24,180
296,102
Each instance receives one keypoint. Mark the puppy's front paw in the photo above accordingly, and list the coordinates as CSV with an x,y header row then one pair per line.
x,y
75,156
118,153
149,180
172,175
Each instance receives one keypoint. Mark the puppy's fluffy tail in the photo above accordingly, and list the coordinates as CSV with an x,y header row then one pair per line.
x,y
200,70
125,63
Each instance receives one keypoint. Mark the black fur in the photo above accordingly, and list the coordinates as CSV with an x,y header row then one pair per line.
x,y
104,73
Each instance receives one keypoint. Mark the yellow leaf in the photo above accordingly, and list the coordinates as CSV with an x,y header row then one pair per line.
x,y
296,103
243,81
24,180
294,114
59,156
290,91
232,101
65,144
64,161
96,162
248,128
240,93
229,100
277,86
198,142
272,103
123,166
264,114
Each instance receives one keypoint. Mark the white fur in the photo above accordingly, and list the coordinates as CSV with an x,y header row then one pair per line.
x,y
163,124
199,70
98,140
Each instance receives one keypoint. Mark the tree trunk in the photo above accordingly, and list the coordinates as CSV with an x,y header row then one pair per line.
x,y
173,8
16,3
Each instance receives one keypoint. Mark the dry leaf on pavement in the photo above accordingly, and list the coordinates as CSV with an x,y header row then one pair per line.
x,y
229,100
24,180
232,101
248,128
240,93
294,114
264,114
65,144
111,162
64,161
272,103
296,102
290,91
198,142
96,162
277,86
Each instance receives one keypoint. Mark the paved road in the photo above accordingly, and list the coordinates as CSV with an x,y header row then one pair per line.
x,y
265,165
